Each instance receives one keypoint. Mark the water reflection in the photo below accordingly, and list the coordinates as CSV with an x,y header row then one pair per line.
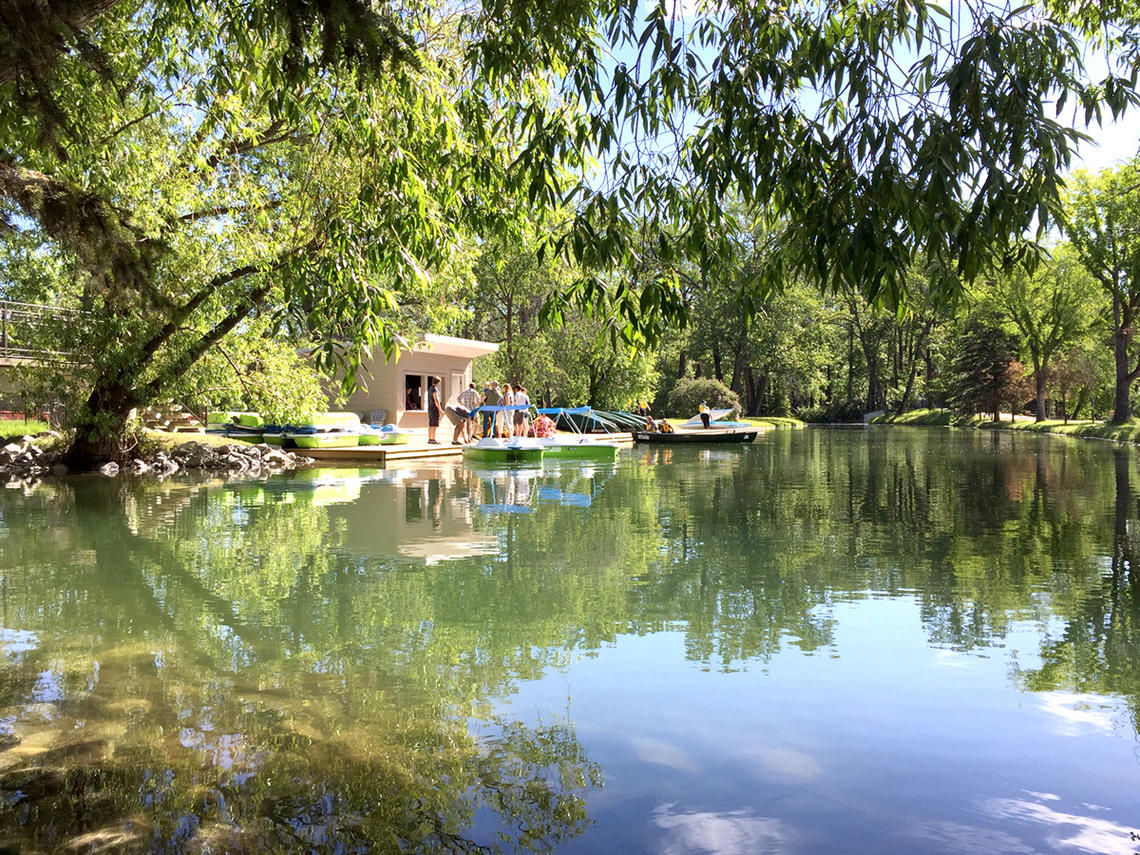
x,y
328,661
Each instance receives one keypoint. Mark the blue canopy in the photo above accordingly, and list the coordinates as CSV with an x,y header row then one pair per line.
x,y
486,408
556,411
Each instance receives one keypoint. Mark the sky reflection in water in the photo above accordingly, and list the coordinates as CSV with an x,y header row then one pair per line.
x,y
855,641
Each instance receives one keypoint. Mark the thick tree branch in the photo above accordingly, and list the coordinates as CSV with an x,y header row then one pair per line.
x,y
34,34
223,327
183,312
222,210
270,136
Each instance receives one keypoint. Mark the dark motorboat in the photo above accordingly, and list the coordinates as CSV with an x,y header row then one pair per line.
x,y
696,436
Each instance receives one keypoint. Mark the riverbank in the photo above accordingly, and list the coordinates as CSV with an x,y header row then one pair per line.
x,y
779,422
26,459
1128,432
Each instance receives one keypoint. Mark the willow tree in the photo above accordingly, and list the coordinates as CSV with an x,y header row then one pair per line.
x,y
195,165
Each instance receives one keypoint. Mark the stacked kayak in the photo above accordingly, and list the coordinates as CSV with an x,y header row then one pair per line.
x,y
392,435
238,425
517,449
368,435
326,430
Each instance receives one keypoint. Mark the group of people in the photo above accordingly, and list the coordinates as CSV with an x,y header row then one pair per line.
x,y
663,426
462,412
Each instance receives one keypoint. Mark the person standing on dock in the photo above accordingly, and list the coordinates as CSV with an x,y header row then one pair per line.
x,y
468,400
705,415
507,400
522,417
434,409
491,398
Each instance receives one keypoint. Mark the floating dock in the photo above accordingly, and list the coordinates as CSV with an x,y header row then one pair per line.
x,y
417,449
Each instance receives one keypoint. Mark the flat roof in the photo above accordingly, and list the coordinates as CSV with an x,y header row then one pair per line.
x,y
449,345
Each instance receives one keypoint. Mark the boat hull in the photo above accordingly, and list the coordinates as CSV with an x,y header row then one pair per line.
x,y
324,440
580,451
503,455
701,437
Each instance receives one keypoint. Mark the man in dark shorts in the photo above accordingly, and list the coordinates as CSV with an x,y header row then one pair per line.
x,y
491,398
434,409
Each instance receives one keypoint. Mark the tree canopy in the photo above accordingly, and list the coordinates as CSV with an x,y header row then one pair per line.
x,y
191,167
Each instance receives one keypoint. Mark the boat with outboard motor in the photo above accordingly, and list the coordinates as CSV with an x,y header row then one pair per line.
x,y
698,436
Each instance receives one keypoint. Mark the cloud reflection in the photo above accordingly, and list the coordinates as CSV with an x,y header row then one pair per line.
x,y
663,753
787,763
1077,710
731,833
956,838
1067,830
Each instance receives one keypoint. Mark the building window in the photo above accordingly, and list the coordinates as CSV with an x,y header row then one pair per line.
x,y
413,392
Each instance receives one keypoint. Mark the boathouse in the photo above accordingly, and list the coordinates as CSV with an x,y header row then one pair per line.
x,y
396,391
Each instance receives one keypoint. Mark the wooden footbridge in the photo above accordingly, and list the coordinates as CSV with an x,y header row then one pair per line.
x,y
32,334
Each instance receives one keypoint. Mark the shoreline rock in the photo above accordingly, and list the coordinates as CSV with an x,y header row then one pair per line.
x,y
21,459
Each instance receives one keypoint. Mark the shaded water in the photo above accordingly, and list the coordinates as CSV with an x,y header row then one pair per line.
x,y
831,641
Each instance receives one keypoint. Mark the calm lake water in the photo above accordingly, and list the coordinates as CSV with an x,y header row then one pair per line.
x,y
832,641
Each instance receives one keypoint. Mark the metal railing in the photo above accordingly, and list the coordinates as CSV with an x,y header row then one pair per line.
x,y
32,332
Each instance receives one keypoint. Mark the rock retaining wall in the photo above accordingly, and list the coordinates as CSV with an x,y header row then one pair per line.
x,y
21,459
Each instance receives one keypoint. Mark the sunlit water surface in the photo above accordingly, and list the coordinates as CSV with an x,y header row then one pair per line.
x,y
830,641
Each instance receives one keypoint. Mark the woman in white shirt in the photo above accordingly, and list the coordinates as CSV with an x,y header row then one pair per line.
x,y
508,400
522,417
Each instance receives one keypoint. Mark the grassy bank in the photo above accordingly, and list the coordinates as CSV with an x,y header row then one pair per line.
x,y
918,418
775,422
20,427
1129,432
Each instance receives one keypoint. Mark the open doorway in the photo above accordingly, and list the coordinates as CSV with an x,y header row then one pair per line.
x,y
414,393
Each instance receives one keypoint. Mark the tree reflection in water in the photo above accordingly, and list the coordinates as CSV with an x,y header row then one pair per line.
x,y
293,664
196,677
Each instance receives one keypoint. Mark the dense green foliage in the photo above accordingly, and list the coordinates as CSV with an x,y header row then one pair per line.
x,y
1104,225
689,393
184,171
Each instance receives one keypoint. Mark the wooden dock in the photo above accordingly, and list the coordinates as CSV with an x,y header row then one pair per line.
x,y
380,455
417,449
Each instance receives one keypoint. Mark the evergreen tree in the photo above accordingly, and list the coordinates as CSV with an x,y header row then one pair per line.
x,y
986,371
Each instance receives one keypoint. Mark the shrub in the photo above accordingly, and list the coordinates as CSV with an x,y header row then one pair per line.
x,y
835,413
687,395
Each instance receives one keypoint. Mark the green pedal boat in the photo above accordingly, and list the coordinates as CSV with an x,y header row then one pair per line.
x,y
577,448
514,450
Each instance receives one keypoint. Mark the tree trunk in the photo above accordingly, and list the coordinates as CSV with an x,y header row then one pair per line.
x,y
510,339
716,361
1080,404
929,376
913,360
1122,406
99,432
850,366
1039,378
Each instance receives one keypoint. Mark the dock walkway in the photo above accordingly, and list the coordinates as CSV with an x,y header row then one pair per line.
x,y
417,449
